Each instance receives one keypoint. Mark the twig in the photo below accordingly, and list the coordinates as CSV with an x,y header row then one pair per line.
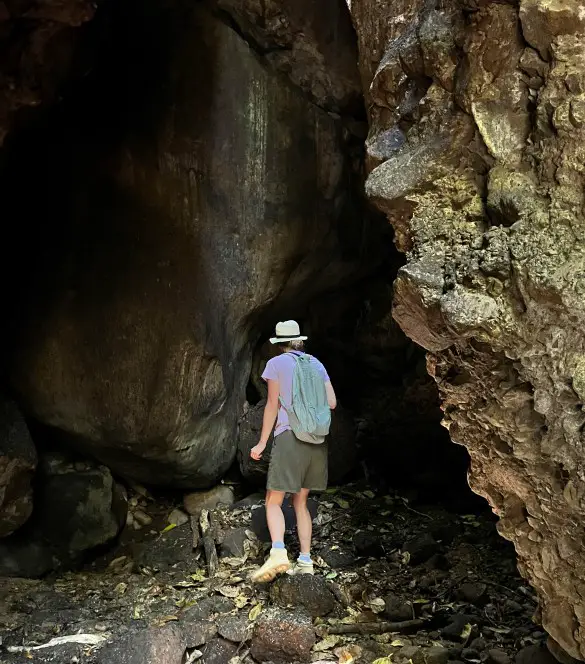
x,y
375,628
208,543
195,530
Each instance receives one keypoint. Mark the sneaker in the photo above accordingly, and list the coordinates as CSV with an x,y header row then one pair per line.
x,y
277,563
301,567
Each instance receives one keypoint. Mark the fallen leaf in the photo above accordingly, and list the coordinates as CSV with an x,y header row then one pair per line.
x,y
331,575
377,605
198,576
397,643
169,527
255,612
229,591
369,494
466,633
383,660
341,502
327,643
241,601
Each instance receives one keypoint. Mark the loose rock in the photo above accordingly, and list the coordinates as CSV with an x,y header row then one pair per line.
x,y
208,500
497,656
305,590
145,646
421,548
219,651
283,637
235,628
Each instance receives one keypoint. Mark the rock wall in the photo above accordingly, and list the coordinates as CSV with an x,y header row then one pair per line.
x,y
180,190
475,153
38,40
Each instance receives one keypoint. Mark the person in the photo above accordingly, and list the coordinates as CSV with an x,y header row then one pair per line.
x,y
296,467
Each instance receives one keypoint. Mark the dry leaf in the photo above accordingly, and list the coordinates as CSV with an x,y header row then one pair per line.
x,y
255,612
241,601
383,660
327,643
341,502
466,633
229,591
377,605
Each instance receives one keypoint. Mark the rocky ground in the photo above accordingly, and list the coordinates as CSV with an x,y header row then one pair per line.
x,y
394,584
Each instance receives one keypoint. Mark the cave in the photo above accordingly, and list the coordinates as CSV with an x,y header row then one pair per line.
x,y
405,181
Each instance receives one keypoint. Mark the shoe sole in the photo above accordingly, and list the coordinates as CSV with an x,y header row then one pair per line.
x,y
271,574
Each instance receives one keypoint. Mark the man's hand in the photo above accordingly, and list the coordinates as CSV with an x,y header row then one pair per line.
x,y
257,450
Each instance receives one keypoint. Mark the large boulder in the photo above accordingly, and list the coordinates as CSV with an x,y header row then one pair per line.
x,y
476,151
78,508
222,188
341,443
18,460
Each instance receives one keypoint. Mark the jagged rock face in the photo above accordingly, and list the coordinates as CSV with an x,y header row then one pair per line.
x,y
476,152
191,185
18,460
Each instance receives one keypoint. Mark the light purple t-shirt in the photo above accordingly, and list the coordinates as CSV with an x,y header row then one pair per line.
x,y
281,368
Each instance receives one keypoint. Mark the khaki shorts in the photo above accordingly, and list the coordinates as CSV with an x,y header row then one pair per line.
x,y
295,465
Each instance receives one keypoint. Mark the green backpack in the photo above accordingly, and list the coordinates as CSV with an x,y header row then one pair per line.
x,y
309,415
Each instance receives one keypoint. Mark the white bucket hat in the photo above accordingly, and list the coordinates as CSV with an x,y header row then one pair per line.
x,y
287,331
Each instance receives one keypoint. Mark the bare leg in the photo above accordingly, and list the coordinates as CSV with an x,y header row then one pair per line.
x,y
304,521
277,562
274,515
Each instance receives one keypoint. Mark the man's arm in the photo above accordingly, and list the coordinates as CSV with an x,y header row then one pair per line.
x,y
331,398
270,413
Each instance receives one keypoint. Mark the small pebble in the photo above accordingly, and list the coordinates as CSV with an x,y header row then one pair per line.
x,y
142,517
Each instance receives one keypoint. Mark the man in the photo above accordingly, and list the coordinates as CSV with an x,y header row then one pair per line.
x,y
296,467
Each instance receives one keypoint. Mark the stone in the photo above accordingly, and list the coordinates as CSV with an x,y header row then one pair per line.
x,y
483,238
470,654
79,507
342,451
18,460
474,593
207,608
145,646
412,653
397,609
304,590
178,517
421,548
283,636
235,628
137,364
457,627
208,500
558,653
171,551
367,544
337,558
534,655
232,543
219,651
497,656
197,632
436,655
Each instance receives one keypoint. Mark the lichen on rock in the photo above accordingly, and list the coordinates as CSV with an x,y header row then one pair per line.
x,y
491,220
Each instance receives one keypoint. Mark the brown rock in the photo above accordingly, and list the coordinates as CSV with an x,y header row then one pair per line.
x,y
219,651
143,359
283,636
145,646
18,460
304,590
481,288
208,500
